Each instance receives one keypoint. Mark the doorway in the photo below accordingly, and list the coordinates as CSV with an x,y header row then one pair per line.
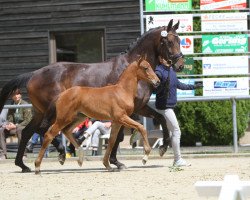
x,y
77,46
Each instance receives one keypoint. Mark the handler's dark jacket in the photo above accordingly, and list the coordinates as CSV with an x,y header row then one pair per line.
x,y
20,116
166,92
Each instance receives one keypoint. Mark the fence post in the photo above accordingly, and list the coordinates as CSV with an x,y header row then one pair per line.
x,y
235,137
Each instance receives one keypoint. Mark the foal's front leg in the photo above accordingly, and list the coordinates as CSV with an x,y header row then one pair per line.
x,y
147,111
127,121
80,149
113,135
48,137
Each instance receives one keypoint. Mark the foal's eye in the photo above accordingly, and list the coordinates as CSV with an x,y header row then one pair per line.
x,y
145,68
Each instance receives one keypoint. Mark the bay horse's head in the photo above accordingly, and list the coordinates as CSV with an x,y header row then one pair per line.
x,y
146,73
169,46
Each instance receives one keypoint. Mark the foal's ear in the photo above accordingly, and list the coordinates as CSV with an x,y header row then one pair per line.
x,y
141,58
176,26
170,24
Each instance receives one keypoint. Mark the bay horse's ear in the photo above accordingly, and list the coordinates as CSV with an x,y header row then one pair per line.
x,y
176,26
170,24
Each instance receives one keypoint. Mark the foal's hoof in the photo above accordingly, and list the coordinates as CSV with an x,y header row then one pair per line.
x,y
163,149
61,158
37,171
26,170
80,155
144,160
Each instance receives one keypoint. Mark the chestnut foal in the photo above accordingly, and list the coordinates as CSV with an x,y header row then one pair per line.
x,y
113,102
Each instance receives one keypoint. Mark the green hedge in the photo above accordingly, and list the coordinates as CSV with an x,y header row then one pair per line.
x,y
211,122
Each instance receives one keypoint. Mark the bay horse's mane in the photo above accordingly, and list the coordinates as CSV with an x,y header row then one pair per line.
x,y
139,39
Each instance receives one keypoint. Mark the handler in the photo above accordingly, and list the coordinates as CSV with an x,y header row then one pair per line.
x,y
166,99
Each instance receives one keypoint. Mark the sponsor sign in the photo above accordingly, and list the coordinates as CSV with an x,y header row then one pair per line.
x,y
226,86
187,44
224,22
222,4
225,65
168,5
188,67
231,43
186,21
185,93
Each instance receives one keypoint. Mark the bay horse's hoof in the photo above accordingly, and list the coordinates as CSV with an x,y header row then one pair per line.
x,y
144,159
122,167
26,170
118,164
163,149
62,158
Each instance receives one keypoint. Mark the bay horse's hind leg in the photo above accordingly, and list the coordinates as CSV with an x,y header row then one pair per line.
x,y
147,111
48,137
127,121
113,135
27,133
112,159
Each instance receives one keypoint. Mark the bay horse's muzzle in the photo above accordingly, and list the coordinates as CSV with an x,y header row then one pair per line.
x,y
178,61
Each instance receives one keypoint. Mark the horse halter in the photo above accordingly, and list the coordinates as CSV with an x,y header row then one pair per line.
x,y
172,59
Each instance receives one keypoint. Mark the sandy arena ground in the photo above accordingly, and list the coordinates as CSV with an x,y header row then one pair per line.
x,y
152,181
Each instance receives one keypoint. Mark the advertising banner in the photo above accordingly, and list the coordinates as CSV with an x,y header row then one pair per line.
x,y
225,65
185,93
231,43
222,4
188,66
226,86
224,22
187,44
186,21
168,5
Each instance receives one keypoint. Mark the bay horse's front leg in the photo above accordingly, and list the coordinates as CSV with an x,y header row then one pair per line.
x,y
147,111
48,137
113,135
127,121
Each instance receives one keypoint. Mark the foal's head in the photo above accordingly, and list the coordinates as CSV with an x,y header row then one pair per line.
x,y
169,47
145,72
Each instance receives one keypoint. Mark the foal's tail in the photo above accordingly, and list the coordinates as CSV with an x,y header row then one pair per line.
x,y
49,117
18,82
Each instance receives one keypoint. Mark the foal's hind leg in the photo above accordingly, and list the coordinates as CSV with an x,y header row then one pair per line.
x,y
48,137
127,121
113,135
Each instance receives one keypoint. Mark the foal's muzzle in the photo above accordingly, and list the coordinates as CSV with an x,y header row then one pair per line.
x,y
156,83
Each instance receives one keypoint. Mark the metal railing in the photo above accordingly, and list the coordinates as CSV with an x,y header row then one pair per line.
x,y
190,99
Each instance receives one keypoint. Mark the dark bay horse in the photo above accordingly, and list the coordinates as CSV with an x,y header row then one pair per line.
x,y
114,103
45,84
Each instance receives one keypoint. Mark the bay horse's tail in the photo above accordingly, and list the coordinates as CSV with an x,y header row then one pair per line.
x,y
18,82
